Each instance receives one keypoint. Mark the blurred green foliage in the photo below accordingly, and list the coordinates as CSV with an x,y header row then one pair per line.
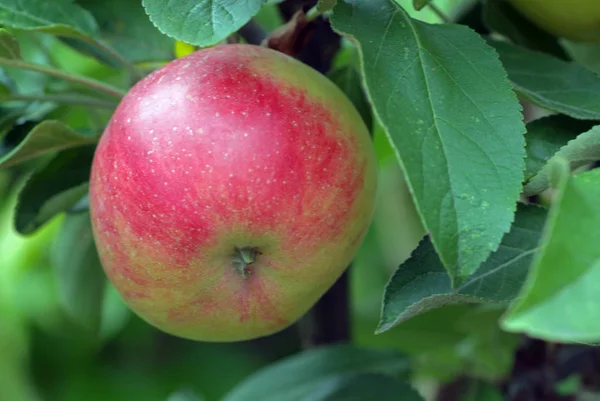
x,y
46,354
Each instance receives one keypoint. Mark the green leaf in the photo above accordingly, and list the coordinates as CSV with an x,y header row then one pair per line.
x,y
58,17
422,284
450,9
325,5
32,46
306,375
571,385
185,395
363,387
556,85
54,189
584,53
560,300
80,277
583,150
200,22
501,16
348,79
125,26
545,137
462,154
9,46
8,117
115,313
82,205
7,85
420,4
452,341
48,136
269,17
480,391
489,352
91,49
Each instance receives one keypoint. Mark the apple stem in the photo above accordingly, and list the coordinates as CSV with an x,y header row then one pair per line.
x,y
243,260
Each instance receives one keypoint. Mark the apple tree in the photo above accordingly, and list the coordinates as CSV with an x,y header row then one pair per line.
x,y
299,200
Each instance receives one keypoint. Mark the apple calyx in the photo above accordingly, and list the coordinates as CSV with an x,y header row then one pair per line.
x,y
243,260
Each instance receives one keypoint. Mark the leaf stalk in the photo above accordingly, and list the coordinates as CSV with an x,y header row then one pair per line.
x,y
85,81
62,99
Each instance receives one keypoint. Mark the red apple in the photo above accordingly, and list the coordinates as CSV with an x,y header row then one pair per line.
x,y
230,190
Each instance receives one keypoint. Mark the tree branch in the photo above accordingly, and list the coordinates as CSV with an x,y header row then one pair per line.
x,y
332,314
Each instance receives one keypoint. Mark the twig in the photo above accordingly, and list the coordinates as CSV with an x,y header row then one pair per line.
x,y
313,43
62,99
330,318
89,82
313,13
439,13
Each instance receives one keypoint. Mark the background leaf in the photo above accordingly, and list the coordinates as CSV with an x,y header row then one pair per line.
x,y
59,17
560,299
349,80
80,277
545,137
33,47
8,117
115,314
304,375
556,85
422,284
6,88
57,187
124,25
419,4
185,395
48,136
462,153
502,17
584,53
325,5
201,22
9,46
583,150
362,387
480,391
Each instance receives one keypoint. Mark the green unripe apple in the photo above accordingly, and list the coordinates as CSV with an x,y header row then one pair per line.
x,y
576,20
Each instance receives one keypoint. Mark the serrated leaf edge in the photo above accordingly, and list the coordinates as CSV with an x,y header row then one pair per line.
x,y
454,282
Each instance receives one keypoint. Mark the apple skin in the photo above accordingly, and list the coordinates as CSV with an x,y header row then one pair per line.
x,y
232,147
576,20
